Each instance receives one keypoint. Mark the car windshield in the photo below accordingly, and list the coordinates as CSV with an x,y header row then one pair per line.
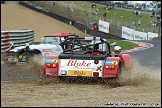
x,y
51,40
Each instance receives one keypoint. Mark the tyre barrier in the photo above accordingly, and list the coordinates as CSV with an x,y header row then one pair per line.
x,y
17,37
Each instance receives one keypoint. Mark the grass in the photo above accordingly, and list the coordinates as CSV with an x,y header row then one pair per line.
x,y
125,45
114,20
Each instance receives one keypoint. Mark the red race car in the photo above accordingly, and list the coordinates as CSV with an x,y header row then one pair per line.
x,y
89,57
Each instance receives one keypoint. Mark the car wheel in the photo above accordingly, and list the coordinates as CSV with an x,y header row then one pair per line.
x,y
34,56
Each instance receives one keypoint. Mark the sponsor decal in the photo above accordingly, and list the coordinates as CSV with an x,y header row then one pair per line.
x,y
114,62
54,61
46,50
79,64
20,56
99,68
109,62
51,60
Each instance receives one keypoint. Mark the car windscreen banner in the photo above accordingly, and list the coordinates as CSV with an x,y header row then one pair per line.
x,y
103,26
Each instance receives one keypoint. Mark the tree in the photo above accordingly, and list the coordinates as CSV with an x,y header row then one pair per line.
x,y
158,3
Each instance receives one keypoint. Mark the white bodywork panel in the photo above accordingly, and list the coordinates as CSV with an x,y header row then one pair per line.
x,y
74,65
102,47
45,49
49,46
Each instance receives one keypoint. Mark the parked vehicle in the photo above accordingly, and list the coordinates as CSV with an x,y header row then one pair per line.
x,y
151,9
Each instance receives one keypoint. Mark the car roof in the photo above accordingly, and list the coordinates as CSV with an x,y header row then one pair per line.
x,y
63,34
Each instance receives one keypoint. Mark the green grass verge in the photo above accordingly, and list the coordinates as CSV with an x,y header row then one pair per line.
x,y
125,45
113,16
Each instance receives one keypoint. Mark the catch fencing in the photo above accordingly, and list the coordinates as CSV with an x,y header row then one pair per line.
x,y
17,37
80,23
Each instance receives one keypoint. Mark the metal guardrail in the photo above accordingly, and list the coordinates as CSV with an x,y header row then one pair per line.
x,y
17,37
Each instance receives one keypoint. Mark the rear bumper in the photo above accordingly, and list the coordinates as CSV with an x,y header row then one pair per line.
x,y
80,78
55,74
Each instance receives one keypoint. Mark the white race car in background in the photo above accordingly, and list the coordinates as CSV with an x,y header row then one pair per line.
x,y
52,44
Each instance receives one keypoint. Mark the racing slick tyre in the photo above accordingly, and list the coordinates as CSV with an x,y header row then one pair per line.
x,y
126,66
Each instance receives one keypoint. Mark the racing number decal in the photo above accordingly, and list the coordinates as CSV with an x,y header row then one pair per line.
x,y
114,62
54,61
20,57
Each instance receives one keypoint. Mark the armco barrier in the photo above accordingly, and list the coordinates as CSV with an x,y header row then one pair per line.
x,y
17,37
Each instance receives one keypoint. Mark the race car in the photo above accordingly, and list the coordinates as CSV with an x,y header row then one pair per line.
x,y
52,44
88,57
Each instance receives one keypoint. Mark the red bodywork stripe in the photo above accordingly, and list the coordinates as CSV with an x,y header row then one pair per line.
x,y
6,34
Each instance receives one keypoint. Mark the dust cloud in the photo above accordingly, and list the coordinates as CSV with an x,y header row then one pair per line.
x,y
140,75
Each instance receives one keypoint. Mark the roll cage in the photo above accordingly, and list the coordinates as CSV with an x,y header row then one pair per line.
x,y
80,44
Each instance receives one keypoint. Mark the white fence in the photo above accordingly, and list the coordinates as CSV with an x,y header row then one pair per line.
x,y
17,37
131,34
103,26
128,33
